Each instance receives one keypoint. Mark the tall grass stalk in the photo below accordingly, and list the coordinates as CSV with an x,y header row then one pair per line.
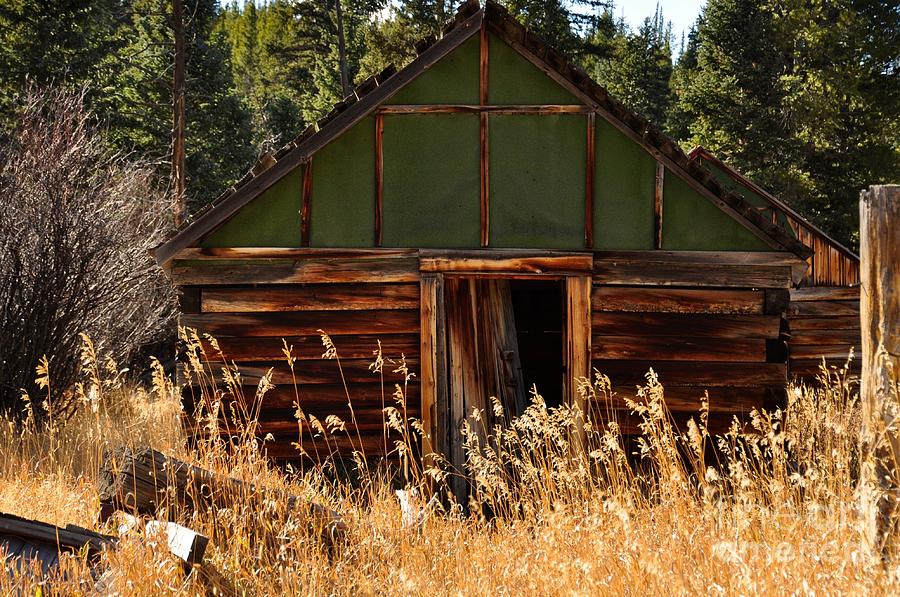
x,y
765,510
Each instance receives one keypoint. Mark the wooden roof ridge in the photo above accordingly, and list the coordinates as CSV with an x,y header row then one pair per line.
x,y
701,153
469,19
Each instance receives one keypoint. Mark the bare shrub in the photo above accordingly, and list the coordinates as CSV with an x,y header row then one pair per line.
x,y
75,237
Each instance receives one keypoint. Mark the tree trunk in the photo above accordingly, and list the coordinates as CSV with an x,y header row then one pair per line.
x,y
178,117
879,225
342,49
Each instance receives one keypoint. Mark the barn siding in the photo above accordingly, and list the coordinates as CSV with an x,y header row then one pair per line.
x,y
249,323
722,337
823,322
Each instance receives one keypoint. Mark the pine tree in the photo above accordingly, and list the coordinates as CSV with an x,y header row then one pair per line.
x,y
636,67
219,134
678,120
550,19
734,96
392,40
61,42
802,97
219,146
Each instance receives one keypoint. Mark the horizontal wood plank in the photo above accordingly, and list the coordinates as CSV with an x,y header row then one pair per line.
x,y
823,308
800,324
685,325
313,271
571,264
810,368
717,424
851,337
536,109
817,351
282,448
833,293
688,399
284,421
320,372
700,257
658,273
691,373
667,348
262,253
304,323
677,300
319,297
323,399
305,348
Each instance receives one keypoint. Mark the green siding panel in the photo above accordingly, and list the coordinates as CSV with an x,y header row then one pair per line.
x,y
452,80
512,79
431,181
693,223
342,209
537,181
624,183
270,220
750,195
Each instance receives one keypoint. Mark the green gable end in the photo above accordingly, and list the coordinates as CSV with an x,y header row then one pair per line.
x,y
692,223
270,220
453,80
624,183
514,80
431,169
342,212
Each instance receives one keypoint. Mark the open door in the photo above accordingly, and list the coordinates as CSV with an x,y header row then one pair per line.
x,y
496,337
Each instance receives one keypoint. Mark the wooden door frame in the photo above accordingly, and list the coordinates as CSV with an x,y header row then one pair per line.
x,y
433,336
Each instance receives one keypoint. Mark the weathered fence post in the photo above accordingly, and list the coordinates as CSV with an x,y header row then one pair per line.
x,y
879,243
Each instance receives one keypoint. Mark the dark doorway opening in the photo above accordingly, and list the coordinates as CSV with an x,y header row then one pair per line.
x,y
540,315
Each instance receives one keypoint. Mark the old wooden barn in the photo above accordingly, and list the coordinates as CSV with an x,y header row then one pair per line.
x,y
494,215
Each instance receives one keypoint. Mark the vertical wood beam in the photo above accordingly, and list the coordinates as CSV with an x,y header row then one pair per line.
x,y
307,198
483,68
658,206
483,133
434,366
879,251
589,182
485,183
578,338
179,176
461,376
379,178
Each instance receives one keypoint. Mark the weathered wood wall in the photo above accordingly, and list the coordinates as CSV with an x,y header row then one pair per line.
x,y
728,323
720,331
358,299
823,322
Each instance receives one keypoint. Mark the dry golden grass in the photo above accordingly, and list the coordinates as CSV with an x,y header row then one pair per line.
x,y
775,512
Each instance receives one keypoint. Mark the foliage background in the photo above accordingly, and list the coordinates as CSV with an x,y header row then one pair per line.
x,y
803,96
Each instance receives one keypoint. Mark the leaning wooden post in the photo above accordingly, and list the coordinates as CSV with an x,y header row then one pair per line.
x,y
879,242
